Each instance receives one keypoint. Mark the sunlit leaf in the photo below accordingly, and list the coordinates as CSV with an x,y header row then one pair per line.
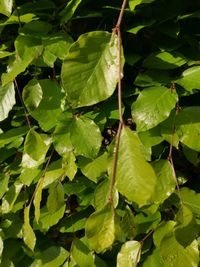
x,y
153,106
133,170
37,199
94,56
7,100
190,79
67,13
28,234
100,229
129,254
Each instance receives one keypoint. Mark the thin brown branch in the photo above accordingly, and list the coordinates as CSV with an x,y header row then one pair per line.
x,y
117,31
170,155
42,177
22,102
119,21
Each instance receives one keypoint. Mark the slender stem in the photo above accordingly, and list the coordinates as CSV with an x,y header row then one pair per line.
x,y
119,21
42,177
22,102
117,31
170,155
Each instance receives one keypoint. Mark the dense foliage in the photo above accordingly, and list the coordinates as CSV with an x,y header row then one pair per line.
x,y
62,204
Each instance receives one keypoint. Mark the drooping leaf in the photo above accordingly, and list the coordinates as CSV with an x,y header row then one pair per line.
x,y
7,100
28,233
129,254
100,229
153,106
37,199
53,256
166,180
190,79
188,127
67,13
133,170
94,55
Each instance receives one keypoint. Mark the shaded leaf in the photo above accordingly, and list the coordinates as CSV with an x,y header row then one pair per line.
x,y
164,60
55,198
191,199
37,199
53,256
81,254
67,13
188,127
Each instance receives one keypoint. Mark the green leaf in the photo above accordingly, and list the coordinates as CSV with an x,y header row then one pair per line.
x,y
190,199
133,170
164,60
100,229
1,245
27,49
48,219
174,254
56,46
37,199
10,197
102,194
134,3
35,150
94,56
81,254
4,179
166,182
94,169
154,260
145,223
28,234
11,135
189,79
54,172
186,228
56,197
7,100
53,256
129,254
6,7
153,106
67,13
29,174
80,134
74,222
69,166
43,101
188,127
